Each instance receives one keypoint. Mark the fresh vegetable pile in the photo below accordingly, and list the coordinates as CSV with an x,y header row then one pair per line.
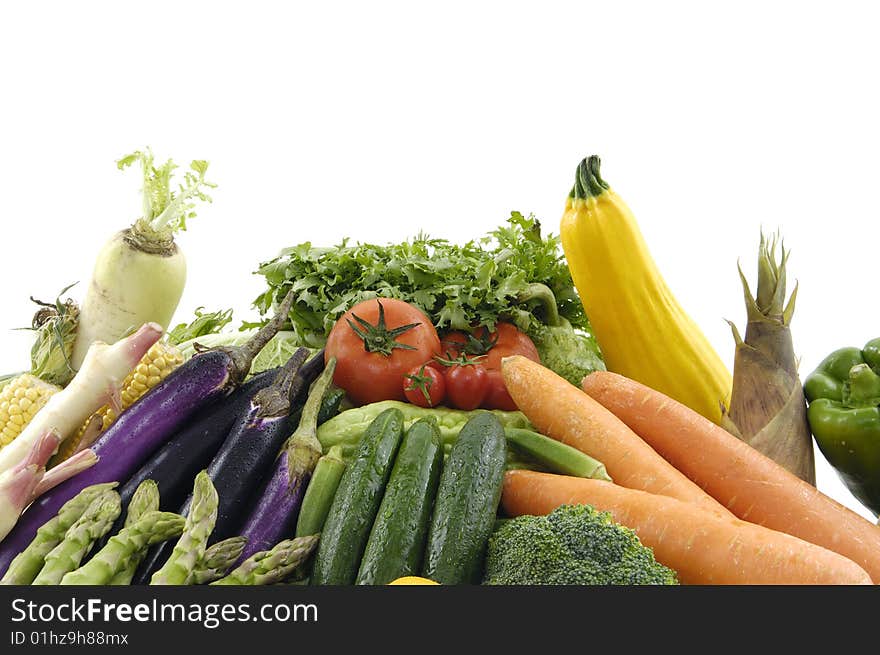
x,y
430,413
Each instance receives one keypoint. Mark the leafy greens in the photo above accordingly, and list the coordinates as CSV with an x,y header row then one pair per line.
x,y
458,286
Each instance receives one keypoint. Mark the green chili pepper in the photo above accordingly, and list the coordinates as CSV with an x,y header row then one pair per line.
x,y
844,415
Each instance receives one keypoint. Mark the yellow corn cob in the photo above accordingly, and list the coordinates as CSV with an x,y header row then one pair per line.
x,y
161,359
20,400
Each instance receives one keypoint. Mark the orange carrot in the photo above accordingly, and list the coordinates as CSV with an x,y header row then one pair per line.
x,y
560,410
748,483
701,546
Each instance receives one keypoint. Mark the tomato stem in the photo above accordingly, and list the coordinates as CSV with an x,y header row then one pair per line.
x,y
420,381
480,345
378,338
461,360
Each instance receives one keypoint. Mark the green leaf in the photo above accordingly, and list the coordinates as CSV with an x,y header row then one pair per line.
x,y
166,210
204,323
458,286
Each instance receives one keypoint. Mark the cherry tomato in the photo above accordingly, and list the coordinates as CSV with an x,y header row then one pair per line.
x,y
492,347
436,365
375,344
466,385
425,385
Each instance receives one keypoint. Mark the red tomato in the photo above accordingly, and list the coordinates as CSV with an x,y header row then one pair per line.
x,y
506,340
436,365
492,347
496,392
425,385
452,344
375,344
466,385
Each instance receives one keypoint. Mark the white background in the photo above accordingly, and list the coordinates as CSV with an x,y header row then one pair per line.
x,y
377,120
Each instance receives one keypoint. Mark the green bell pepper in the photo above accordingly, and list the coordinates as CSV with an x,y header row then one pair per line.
x,y
844,415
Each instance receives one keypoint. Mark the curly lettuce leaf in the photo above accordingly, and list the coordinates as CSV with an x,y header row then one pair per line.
x,y
457,286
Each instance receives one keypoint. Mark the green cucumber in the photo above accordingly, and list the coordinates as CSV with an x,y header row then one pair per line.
x,y
356,502
320,492
397,540
467,503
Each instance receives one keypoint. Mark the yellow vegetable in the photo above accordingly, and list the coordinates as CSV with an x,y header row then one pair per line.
x,y
20,400
161,359
641,329
412,580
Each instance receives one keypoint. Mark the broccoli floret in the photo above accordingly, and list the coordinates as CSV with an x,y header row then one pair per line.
x,y
570,354
573,545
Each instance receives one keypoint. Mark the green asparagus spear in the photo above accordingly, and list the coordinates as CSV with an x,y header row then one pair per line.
x,y
190,548
79,539
272,566
144,499
107,564
27,564
218,559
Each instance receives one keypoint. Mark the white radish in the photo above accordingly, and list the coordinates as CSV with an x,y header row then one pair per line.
x,y
139,275
96,383
129,285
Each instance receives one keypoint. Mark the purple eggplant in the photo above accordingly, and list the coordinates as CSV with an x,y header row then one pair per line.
x,y
174,466
244,459
145,426
273,515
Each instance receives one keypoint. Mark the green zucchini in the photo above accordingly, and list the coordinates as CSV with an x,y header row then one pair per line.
x,y
467,503
320,492
397,540
356,502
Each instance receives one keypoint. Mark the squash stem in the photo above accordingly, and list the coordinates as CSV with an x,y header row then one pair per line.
x,y
588,183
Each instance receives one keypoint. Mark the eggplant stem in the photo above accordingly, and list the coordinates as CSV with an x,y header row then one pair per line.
x,y
274,400
243,356
300,380
303,448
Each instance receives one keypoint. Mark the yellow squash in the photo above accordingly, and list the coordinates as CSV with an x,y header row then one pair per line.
x,y
413,580
641,328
